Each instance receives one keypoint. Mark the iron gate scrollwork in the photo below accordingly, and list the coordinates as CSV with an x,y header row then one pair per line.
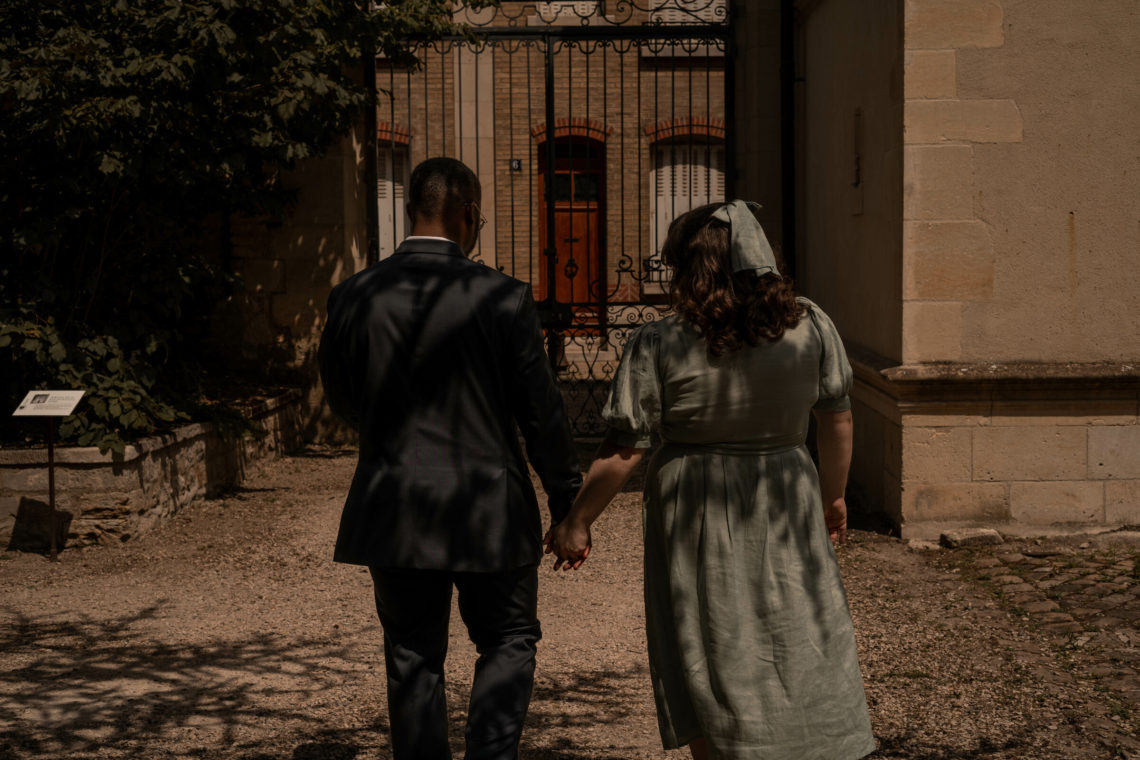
x,y
592,125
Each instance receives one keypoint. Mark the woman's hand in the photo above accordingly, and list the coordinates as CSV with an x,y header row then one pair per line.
x,y
570,540
835,515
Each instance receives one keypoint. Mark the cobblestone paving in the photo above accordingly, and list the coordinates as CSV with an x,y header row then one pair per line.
x,y
1085,592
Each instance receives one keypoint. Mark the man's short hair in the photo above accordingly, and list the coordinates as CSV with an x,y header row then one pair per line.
x,y
439,186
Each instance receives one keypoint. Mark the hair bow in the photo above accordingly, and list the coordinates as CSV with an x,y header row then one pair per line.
x,y
751,250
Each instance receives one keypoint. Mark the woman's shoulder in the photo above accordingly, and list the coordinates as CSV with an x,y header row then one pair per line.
x,y
656,327
808,304
813,311
665,331
819,319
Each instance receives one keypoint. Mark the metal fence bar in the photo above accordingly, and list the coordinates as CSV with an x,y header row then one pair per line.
x,y
655,89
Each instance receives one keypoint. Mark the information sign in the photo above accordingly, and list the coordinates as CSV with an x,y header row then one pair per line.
x,y
48,404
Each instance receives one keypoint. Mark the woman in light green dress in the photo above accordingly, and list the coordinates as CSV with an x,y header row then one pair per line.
x,y
751,646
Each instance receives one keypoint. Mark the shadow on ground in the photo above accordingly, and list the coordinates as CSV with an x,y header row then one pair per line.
x,y
83,687
566,707
87,688
906,746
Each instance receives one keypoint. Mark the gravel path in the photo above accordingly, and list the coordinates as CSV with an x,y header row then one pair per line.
x,y
228,633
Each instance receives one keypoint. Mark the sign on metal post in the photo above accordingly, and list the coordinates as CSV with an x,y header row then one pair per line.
x,y
49,404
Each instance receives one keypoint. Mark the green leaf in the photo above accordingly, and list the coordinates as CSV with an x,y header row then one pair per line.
x,y
110,164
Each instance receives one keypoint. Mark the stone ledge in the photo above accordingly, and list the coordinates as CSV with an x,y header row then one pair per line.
x,y
932,384
91,455
106,496
1015,371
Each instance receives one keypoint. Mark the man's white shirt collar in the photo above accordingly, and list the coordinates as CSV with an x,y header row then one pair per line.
x,y
429,237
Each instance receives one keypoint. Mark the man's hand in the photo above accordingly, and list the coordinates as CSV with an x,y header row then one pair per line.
x,y
571,542
835,515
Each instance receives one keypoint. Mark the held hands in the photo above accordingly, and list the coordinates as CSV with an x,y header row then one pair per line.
x,y
570,541
835,515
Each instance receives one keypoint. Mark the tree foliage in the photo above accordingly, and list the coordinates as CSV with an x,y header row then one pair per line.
x,y
130,127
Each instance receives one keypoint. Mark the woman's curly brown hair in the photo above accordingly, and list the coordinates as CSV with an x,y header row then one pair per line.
x,y
729,309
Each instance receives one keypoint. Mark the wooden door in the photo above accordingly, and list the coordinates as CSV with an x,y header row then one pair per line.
x,y
579,240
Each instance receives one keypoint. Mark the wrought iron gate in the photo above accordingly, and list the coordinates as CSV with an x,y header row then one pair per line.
x,y
591,125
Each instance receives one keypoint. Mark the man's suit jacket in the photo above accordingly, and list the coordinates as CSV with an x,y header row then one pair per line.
x,y
434,358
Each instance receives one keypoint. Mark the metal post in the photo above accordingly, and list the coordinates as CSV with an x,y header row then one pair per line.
x,y
788,147
551,251
371,149
731,165
52,523
553,335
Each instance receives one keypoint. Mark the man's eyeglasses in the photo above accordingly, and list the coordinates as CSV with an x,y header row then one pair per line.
x,y
482,219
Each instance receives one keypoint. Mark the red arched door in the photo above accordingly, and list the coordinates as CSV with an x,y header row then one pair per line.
x,y
579,234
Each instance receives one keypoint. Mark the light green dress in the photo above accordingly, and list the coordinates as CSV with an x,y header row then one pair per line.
x,y
750,639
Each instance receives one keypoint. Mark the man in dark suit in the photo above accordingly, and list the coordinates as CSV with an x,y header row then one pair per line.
x,y
434,359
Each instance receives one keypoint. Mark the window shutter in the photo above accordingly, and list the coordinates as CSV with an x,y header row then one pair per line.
x,y
384,181
392,172
685,176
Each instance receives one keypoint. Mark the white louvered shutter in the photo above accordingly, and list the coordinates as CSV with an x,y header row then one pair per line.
x,y
392,173
684,177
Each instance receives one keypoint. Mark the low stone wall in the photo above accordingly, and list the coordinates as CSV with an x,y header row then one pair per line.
x,y
1021,447
110,497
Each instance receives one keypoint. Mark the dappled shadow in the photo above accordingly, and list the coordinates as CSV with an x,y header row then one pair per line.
x,y
71,686
564,706
324,452
906,746
435,359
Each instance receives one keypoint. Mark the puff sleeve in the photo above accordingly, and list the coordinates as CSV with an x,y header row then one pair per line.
x,y
633,409
834,370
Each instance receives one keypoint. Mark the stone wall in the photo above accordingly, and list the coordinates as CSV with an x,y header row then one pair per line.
x,y
991,446
990,305
760,153
107,497
288,268
1018,384
850,183
1022,191
849,196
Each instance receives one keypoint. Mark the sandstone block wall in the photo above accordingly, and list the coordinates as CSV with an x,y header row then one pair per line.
x,y
990,307
1050,466
1022,203
1019,229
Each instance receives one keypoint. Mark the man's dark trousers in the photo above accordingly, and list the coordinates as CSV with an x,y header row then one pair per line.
x,y
500,612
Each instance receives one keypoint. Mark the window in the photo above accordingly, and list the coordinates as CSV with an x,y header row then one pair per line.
x,y
689,12
569,11
685,175
392,171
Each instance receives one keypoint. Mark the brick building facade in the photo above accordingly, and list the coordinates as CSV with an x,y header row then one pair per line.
x,y
955,182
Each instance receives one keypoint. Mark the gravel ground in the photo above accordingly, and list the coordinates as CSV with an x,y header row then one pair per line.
x,y
229,633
